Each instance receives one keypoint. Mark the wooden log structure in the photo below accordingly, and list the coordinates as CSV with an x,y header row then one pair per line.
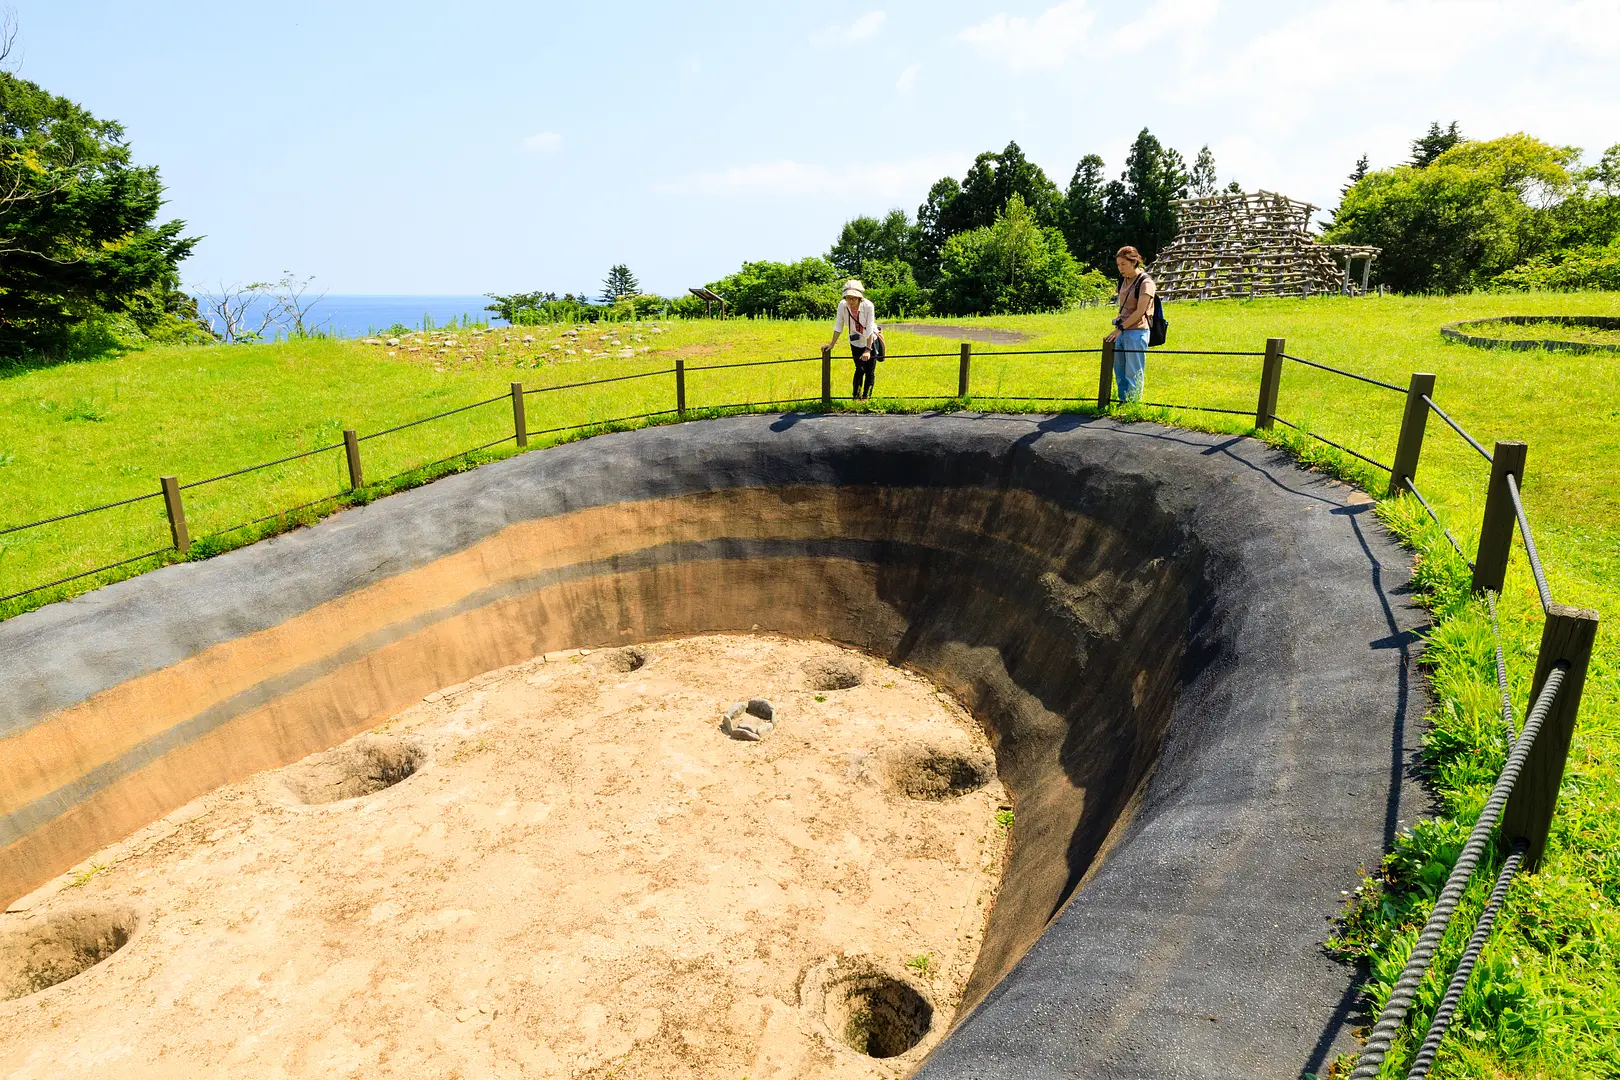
x,y
1254,244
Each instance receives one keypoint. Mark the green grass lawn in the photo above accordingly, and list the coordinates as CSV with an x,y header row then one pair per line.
x,y
1546,999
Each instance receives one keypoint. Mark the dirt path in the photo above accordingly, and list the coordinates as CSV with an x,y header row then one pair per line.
x,y
961,333
578,876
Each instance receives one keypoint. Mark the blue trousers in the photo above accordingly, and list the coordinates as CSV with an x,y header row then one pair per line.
x,y
1130,364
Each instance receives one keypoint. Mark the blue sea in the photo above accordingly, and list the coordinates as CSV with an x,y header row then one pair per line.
x,y
355,315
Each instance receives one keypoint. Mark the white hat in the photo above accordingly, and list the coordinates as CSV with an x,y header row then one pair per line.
x,y
852,287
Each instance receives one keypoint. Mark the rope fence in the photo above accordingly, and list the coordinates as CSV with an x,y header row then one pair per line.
x,y
1524,794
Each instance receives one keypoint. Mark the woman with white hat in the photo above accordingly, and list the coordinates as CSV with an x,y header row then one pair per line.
x,y
857,315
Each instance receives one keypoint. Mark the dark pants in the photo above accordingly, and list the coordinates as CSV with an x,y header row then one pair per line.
x,y
864,370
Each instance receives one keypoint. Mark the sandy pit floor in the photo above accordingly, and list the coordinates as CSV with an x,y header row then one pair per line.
x,y
576,874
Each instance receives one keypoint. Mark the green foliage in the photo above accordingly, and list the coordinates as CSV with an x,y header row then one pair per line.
x,y
807,288
77,226
618,284
1479,209
1436,142
990,184
866,239
1086,226
1202,181
1014,265
1141,204
1588,266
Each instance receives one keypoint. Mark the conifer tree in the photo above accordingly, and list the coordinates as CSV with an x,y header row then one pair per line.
x,y
619,283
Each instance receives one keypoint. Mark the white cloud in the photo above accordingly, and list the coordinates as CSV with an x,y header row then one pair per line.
x,y
793,179
1044,42
865,28
544,142
907,82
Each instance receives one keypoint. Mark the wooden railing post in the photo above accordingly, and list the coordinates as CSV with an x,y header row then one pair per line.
x,y
1270,383
680,387
520,415
177,513
1105,377
1566,638
826,376
963,372
351,449
1413,423
1496,529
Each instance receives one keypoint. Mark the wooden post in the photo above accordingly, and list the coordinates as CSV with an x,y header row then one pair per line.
x,y
962,372
1413,423
177,513
680,387
351,448
520,415
1270,383
1105,377
826,376
1366,272
1566,638
1496,530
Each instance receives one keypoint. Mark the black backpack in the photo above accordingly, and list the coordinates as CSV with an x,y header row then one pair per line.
x,y
1158,328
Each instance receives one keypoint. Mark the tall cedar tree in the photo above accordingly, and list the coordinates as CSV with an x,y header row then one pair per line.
x,y
1203,182
865,240
1436,142
77,232
1142,202
1085,225
619,283
975,203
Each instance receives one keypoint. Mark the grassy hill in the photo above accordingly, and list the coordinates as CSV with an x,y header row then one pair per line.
x,y
1546,1000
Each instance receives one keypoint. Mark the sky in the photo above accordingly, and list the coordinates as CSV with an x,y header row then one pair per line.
x,y
412,147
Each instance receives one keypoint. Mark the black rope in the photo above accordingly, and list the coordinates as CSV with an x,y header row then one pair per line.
x,y
753,363
452,457
1400,998
1202,352
1410,486
87,573
1171,405
1346,374
599,423
1501,671
79,513
1034,352
277,514
1465,966
436,416
1336,446
593,382
1441,413
1530,546
255,468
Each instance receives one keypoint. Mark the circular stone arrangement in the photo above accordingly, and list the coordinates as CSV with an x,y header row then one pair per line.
x,y
561,868
1459,331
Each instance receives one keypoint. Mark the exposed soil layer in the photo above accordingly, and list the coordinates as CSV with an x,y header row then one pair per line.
x,y
577,876
985,334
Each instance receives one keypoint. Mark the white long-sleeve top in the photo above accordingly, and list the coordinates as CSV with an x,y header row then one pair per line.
x,y
867,319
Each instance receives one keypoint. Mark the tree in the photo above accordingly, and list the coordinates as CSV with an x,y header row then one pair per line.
x,y
936,220
809,287
1434,143
1086,227
1141,204
865,239
619,283
1355,178
1203,182
1474,212
78,232
991,181
1012,265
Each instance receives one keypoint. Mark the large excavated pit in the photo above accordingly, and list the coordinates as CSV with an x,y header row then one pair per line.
x,y
1184,651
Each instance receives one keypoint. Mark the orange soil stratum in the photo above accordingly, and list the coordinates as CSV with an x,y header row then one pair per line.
x,y
571,872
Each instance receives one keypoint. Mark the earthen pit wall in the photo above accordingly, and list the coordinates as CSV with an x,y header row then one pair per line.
x,y
1063,633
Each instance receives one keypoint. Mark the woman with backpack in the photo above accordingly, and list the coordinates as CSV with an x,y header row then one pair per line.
x,y
1130,334
857,315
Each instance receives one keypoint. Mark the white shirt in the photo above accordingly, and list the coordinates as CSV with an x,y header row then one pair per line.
x,y
867,319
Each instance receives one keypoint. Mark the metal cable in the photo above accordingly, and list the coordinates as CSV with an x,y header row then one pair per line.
x,y
87,573
1425,504
1336,446
1346,374
1465,966
1501,671
266,465
1530,545
437,416
1405,989
589,382
1441,413
79,513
